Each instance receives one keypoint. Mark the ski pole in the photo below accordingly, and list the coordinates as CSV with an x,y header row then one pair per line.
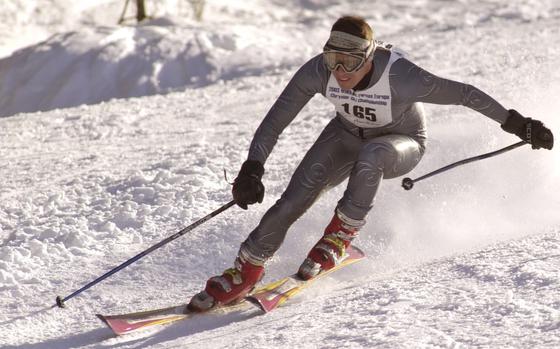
x,y
408,183
60,301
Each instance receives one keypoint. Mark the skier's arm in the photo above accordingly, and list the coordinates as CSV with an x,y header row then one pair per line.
x,y
418,85
310,79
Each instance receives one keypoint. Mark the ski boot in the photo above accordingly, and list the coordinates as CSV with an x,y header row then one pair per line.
x,y
330,250
232,286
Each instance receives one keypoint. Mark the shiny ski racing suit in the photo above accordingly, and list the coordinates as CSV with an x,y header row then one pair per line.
x,y
378,132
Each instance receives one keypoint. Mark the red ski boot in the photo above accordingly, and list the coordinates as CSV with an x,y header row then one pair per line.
x,y
331,248
234,284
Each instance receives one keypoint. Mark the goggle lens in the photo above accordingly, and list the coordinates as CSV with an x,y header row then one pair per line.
x,y
350,62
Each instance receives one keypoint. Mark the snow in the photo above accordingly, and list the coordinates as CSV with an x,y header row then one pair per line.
x,y
116,137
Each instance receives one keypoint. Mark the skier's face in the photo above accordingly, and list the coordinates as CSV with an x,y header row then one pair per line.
x,y
350,80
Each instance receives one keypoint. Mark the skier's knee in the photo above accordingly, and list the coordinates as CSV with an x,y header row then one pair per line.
x,y
373,161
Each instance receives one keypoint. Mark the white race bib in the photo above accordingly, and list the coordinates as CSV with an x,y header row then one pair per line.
x,y
368,108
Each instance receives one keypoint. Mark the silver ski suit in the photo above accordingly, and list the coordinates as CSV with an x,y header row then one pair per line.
x,y
378,132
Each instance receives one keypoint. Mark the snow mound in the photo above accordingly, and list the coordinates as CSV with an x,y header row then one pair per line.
x,y
101,63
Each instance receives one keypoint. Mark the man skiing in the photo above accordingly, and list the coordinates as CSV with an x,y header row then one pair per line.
x,y
378,132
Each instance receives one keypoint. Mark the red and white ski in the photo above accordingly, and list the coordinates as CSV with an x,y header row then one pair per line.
x,y
271,296
267,298
132,322
126,323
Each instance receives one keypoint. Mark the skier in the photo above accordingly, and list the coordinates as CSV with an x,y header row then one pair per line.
x,y
378,132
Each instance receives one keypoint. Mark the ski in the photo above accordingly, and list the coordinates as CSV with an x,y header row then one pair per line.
x,y
132,322
276,293
126,323
267,298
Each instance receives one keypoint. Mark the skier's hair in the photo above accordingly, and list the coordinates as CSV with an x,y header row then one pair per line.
x,y
354,25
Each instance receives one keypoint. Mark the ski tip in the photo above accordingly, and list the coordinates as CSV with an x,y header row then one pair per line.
x,y
104,320
256,303
358,250
101,317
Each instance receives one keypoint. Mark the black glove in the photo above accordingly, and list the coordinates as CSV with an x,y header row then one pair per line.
x,y
529,130
247,187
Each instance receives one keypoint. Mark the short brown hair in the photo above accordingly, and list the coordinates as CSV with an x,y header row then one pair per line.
x,y
354,25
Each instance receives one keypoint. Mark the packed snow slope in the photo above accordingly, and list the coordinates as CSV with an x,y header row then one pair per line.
x,y
469,258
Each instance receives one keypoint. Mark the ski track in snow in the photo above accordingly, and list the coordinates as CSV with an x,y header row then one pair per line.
x,y
470,258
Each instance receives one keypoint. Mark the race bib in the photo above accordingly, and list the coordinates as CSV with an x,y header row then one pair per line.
x,y
368,108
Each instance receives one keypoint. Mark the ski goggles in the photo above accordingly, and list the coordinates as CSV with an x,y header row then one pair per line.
x,y
348,61
346,51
